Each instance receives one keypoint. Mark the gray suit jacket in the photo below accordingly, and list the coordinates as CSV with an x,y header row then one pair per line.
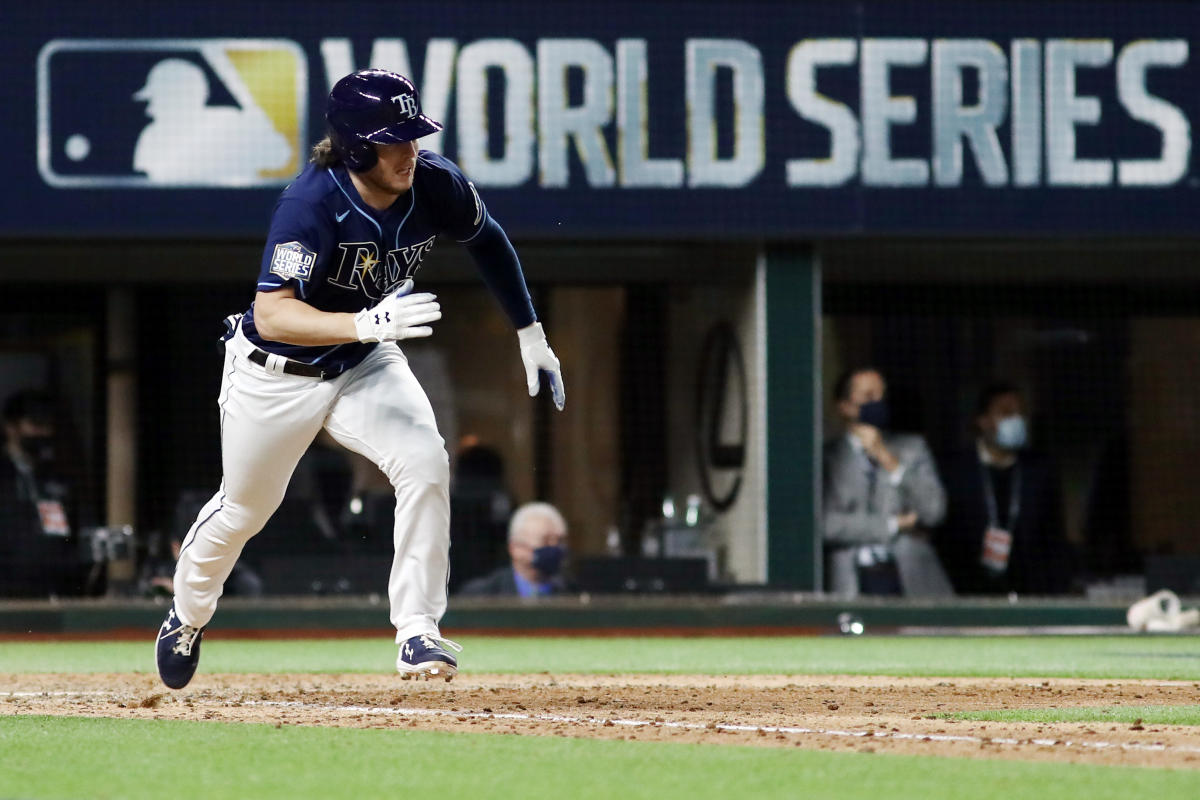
x,y
857,508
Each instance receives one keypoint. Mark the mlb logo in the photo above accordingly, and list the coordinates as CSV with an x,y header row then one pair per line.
x,y
166,113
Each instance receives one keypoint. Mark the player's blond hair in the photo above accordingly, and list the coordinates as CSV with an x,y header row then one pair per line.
x,y
323,154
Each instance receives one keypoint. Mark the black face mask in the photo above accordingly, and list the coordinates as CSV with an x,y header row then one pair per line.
x,y
39,449
875,413
548,560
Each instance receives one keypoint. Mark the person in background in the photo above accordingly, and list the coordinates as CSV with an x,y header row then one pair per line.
x,y
480,510
1004,529
537,546
881,495
38,551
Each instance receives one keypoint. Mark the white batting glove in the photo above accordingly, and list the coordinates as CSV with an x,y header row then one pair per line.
x,y
400,315
537,355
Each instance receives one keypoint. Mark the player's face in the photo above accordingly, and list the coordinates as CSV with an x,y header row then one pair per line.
x,y
393,173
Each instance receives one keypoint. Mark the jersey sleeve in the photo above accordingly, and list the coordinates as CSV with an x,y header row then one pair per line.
x,y
501,271
297,247
461,213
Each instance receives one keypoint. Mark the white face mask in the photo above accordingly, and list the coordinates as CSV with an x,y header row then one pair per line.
x,y
1011,432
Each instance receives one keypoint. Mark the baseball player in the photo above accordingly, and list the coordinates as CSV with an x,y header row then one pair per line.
x,y
319,347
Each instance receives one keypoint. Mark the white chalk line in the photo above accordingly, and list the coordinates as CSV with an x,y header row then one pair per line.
x,y
696,726
98,693
691,726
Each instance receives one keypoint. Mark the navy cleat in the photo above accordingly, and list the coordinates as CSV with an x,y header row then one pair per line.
x,y
424,657
177,651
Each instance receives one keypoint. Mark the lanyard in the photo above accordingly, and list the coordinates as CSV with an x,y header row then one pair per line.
x,y
27,482
1014,498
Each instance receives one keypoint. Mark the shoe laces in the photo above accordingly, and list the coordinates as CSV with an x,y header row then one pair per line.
x,y
432,640
185,641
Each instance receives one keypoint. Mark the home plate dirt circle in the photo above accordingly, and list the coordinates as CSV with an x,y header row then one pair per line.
x,y
823,712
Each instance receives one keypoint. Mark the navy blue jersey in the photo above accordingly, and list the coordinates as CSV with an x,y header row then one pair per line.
x,y
339,254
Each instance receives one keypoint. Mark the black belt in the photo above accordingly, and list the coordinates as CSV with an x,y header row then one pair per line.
x,y
294,367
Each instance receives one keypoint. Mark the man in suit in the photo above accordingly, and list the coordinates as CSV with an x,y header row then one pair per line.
x,y
537,546
1004,528
38,528
881,494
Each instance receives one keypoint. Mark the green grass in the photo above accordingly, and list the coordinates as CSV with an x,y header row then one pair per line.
x,y
1113,657
1149,715
45,758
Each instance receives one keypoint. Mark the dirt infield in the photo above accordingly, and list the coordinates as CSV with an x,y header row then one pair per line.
x,y
864,714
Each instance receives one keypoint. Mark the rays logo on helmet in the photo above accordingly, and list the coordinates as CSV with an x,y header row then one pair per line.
x,y
163,113
407,103
293,261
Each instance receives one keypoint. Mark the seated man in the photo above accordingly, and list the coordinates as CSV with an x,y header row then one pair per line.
x,y
537,545
881,496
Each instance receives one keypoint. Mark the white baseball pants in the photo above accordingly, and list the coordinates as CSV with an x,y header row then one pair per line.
x,y
268,420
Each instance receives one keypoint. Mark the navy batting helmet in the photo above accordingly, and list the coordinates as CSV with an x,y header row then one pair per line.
x,y
374,105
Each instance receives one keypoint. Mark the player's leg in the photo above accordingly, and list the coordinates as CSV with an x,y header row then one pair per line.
x,y
267,422
384,414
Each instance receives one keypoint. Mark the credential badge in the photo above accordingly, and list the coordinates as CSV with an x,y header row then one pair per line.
x,y
293,261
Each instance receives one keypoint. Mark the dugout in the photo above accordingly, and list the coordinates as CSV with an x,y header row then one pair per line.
x,y
1109,379
712,221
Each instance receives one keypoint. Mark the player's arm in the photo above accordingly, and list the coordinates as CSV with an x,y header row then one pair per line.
x,y
299,231
282,317
466,218
501,270
462,215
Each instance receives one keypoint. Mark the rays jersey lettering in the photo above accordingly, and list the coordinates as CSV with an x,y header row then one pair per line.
x,y
360,266
336,253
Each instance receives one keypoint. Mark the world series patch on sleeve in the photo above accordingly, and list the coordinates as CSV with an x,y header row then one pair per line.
x,y
293,261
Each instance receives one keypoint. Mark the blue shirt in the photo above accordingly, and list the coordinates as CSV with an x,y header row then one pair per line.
x,y
527,588
339,254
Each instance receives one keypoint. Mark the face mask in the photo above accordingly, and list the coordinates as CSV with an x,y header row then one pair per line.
x,y
1011,433
875,413
548,560
40,449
